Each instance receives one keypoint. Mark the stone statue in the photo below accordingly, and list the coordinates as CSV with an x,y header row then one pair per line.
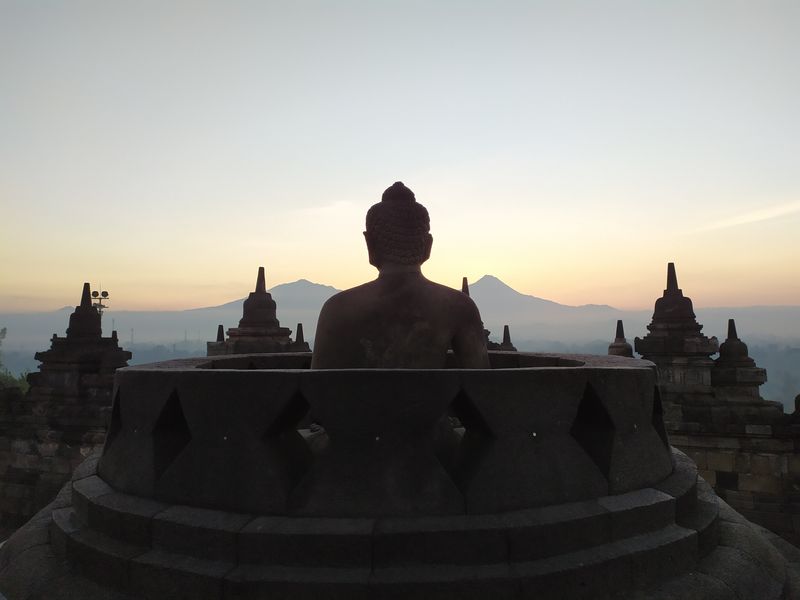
x,y
399,320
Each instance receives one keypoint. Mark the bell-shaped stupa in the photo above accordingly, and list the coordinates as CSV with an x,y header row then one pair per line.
x,y
674,329
735,376
259,330
620,346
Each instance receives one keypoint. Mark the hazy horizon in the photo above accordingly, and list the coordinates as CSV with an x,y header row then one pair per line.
x,y
572,149
113,307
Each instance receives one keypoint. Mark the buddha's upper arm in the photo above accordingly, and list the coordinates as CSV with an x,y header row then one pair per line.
x,y
469,341
322,338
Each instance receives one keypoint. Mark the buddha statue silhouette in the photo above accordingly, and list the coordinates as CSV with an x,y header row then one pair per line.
x,y
401,319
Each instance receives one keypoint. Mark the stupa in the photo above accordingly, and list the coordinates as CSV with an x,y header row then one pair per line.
x,y
506,344
259,329
735,376
681,352
620,346
560,484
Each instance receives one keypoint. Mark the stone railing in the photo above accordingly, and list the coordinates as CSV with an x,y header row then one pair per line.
x,y
532,431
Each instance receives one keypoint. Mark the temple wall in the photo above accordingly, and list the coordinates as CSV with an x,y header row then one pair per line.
x,y
45,434
744,446
756,471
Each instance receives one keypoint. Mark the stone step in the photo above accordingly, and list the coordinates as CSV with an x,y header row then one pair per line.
x,y
632,562
363,543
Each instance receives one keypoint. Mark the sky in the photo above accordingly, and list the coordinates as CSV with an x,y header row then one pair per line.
x,y
164,150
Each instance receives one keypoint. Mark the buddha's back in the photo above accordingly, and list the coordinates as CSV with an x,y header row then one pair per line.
x,y
400,320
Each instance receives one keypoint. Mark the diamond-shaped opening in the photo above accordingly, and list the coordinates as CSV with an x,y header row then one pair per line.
x,y
290,451
470,417
594,430
115,424
171,434
658,417
462,457
292,413
251,366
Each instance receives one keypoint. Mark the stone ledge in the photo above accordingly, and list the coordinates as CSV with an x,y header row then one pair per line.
x,y
722,577
307,541
461,539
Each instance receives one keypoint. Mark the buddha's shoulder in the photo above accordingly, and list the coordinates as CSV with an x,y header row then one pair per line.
x,y
451,296
348,296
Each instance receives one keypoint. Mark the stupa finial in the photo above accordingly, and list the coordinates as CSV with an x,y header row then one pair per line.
x,y
261,281
506,336
220,333
465,286
86,296
732,330
85,321
672,278
299,339
620,330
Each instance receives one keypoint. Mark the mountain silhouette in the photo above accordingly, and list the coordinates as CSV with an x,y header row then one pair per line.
x,y
536,323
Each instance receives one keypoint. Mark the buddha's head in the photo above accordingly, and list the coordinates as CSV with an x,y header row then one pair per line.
x,y
398,229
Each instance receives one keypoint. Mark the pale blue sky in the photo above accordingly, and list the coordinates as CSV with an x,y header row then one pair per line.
x,y
166,149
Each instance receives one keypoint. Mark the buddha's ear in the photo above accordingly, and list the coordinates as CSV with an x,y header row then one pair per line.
x,y
372,250
428,245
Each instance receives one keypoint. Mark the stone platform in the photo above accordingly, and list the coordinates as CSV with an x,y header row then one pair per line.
x,y
558,483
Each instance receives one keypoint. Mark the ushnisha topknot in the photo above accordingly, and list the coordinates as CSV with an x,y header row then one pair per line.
x,y
398,192
399,227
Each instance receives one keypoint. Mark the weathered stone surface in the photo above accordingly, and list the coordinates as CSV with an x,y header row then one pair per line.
x,y
125,517
639,511
198,532
438,582
162,575
101,558
33,576
738,571
88,488
309,541
253,429
251,582
453,540
530,418
748,540
381,457
557,529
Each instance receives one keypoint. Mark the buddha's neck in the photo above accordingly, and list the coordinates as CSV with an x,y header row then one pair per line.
x,y
391,269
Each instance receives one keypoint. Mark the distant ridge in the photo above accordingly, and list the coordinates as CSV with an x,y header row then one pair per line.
x,y
536,323
489,284
295,290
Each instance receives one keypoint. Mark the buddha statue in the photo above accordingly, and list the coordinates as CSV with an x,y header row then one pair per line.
x,y
401,319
